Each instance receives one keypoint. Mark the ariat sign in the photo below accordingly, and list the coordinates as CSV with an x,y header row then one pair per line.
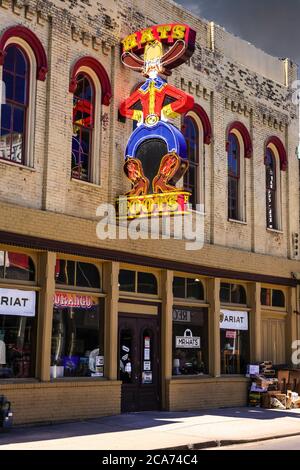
x,y
17,302
233,320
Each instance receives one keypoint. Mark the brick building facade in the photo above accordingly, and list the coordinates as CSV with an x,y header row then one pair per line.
x,y
243,104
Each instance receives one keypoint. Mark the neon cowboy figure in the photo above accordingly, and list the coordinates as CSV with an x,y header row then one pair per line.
x,y
151,96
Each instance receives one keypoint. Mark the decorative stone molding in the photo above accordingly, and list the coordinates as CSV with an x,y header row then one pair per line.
x,y
96,43
75,32
237,107
6,4
41,18
89,40
195,89
272,122
29,13
86,38
18,6
105,48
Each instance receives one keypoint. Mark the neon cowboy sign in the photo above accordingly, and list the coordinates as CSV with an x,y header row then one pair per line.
x,y
156,152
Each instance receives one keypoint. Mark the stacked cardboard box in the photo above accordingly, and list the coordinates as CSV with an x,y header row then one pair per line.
x,y
266,368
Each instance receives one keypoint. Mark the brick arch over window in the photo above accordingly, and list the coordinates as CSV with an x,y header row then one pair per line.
x,y
101,73
33,41
280,149
238,126
207,129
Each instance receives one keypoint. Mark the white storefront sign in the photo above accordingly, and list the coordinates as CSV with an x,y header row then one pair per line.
x,y
233,320
188,341
17,302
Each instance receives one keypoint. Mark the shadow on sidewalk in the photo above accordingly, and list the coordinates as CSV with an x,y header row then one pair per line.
x,y
141,421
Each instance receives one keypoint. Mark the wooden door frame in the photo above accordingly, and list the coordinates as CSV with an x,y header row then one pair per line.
x,y
159,349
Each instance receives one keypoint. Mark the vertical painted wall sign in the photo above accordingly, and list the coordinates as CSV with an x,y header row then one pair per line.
x,y
156,152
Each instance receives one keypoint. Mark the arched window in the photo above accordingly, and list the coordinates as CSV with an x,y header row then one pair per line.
x,y
15,77
191,177
197,131
83,125
91,89
239,148
276,162
271,188
233,176
24,61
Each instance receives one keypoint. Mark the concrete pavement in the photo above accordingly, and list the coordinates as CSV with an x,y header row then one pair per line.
x,y
287,443
157,430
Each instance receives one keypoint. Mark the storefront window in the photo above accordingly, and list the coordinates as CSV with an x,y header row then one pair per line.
x,y
127,280
233,294
16,266
272,298
77,348
235,340
147,283
17,333
188,288
140,282
78,274
190,341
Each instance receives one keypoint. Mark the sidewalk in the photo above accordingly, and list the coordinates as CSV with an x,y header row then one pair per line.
x,y
157,430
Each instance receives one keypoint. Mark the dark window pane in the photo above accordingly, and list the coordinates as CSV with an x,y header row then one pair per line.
x,y
233,156
278,299
238,294
9,62
225,292
87,275
233,198
2,264
127,280
265,297
18,120
195,289
8,79
85,142
21,63
147,283
6,116
179,287
126,355
20,90
65,272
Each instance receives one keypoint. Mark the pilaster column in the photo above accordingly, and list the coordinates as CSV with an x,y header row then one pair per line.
x,y
111,288
255,322
166,333
46,278
291,322
213,297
